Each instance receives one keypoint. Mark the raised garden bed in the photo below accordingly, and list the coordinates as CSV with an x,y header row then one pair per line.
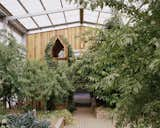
x,y
104,113
54,116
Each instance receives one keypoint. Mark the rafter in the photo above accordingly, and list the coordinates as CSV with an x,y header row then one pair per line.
x,y
47,14
63,11
27,12
70,23
81,15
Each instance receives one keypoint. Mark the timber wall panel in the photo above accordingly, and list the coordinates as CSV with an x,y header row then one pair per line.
x,y
36,43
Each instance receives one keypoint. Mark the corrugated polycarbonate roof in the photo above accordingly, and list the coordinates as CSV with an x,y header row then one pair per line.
x,y
38,14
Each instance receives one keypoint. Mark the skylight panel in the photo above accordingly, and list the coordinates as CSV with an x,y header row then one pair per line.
x,y
13,6
28,23
90,16
32,5
72,15
42,20
52,4
104,17
57,18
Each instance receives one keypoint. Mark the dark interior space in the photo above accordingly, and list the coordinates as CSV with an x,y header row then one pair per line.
x,y
57,48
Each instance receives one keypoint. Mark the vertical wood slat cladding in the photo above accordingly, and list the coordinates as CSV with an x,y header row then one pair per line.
x,y
36,43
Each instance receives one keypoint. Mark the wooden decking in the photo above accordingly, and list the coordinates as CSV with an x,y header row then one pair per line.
x,y
84,118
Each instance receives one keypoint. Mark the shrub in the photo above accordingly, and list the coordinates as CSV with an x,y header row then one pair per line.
x,y
26,120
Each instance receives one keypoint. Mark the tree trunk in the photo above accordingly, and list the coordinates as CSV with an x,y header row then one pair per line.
x,y
4,102
9,103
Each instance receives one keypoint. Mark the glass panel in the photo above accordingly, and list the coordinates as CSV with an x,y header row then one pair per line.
x,y
13,6
90,16
104,17
32,5
72,15
42,20
28,23
52,4
57,18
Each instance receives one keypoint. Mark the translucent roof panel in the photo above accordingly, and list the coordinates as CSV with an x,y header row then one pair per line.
x,y
38,14
32,5
57,18
13,6
52,4
42,20
28,23
105,9
90,16
72,16
104,17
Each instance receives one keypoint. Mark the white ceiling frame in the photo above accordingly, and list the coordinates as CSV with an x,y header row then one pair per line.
x,y
9,18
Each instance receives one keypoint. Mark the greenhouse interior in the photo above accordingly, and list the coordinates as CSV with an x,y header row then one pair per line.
x,y
79,64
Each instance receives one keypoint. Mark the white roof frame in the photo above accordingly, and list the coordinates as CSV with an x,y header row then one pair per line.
x,y
63,10
39,13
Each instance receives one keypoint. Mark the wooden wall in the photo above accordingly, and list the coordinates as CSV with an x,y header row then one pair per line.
x,y
36,43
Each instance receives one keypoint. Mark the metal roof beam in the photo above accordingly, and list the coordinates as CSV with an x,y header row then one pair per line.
x,y
70,23
63,11
53,26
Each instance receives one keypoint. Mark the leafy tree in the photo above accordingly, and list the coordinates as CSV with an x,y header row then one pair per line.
x,y
127,60
11,66
44,83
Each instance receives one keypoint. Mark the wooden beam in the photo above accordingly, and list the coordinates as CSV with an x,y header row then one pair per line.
x,y
81,15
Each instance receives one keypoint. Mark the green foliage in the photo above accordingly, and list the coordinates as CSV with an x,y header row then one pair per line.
x,y
55,115
123,65
26,120
48,52
30,80
11,68
42,83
